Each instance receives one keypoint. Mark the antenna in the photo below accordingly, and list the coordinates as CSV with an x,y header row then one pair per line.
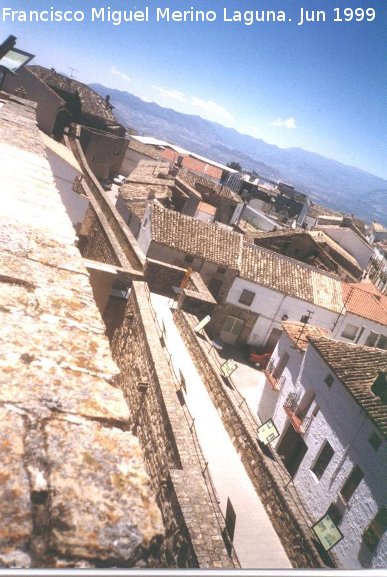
x,y
72,71
305,320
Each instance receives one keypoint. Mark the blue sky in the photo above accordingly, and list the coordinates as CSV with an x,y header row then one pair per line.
x,y
320,86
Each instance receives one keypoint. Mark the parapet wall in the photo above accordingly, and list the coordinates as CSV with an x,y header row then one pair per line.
x,y
193,522
73,488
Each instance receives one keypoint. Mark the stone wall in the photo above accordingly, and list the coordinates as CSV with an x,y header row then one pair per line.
x,y
94,241
220,315
73,488
134,259
281,503
161,277
192,518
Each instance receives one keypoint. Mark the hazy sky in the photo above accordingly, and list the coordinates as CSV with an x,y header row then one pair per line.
x,y
320,86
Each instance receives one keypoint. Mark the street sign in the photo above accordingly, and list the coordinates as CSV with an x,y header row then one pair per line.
x,y
267,432
327,532
228,367
202,324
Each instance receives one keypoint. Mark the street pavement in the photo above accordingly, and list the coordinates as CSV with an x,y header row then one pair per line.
x,y
255,541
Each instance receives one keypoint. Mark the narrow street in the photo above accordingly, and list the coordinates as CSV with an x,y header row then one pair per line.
x,y
256,543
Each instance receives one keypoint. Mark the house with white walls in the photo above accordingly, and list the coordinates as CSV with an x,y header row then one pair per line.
x,y
364,317
328,400
273,288
208,248
270,289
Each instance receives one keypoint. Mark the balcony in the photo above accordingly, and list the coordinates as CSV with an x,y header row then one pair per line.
x,y
299,420
275,380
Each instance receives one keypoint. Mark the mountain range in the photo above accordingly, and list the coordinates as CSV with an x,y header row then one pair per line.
x,y
326,181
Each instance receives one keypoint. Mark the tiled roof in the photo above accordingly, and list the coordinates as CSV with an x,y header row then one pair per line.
x,y
357,368
146,149
317,210
92,103
299,333
291,277
186,234
365,300
138,191
207,208
150,170
138,208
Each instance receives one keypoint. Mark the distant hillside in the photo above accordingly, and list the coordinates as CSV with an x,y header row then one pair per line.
x,y
328,182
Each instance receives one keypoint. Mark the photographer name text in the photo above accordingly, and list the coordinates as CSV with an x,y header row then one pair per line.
x,y
153,14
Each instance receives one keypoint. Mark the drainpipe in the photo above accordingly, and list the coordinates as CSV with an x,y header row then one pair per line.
x,y
275,316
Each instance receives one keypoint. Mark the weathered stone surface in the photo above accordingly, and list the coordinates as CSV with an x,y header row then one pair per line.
x,y
99,492
73,488
15,510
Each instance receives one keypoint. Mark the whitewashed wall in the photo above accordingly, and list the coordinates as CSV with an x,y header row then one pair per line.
x,y
350,318
272,306
343,423
350,241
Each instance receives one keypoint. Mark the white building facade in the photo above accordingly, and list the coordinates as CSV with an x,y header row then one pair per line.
x,y
332,424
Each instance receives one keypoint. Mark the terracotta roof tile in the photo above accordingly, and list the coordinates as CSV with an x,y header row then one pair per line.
x,y
299,333
365,300
205,240
291,277
357,368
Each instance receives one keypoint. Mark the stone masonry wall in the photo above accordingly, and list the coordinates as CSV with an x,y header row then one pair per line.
x,y
73,487
269,481
192,519
94,242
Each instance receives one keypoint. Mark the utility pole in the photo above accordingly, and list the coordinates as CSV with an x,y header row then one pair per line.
x,y
305,319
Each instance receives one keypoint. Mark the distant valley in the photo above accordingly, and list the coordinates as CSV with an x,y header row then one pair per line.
x,y
328,182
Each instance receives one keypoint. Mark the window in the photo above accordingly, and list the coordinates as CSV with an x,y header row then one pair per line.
x,y
335,513
329,380
349,332
376,530
233,325
375,441
246,297
188,259
323,460
382,343
351,484
279,369
315,411
371,339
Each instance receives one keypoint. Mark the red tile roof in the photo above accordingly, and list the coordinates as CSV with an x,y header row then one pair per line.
x,y
365,300
299,333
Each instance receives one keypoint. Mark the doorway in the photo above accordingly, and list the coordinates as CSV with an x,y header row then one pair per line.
x,y
292,449
232,328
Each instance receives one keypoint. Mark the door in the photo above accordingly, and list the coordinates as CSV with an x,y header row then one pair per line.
x,y
273,339
232,328
292,450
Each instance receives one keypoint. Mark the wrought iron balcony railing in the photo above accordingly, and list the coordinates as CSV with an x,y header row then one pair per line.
x,y
275,381
300,421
